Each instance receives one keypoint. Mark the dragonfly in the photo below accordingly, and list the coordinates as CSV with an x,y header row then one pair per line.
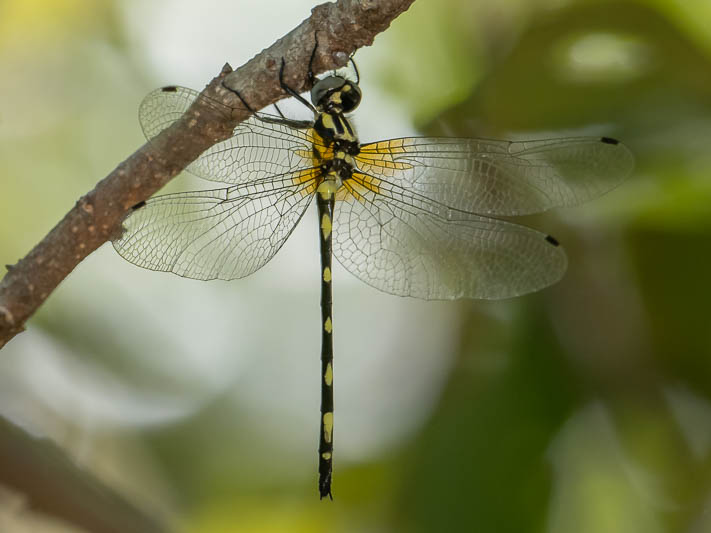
x,y
423,217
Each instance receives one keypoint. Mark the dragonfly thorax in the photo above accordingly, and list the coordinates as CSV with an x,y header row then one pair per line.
x,y
337,131
332,97
341,166
338,135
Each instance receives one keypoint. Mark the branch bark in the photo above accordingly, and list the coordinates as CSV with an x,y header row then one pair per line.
x,y
52,484
342,28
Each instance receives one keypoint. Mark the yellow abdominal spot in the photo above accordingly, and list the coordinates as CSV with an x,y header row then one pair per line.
x,y
327,275
326,226
326,456
328,187
328,326
327,426
328,377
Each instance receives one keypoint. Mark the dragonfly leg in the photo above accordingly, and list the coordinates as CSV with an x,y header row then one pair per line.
x,y
310,75
297,124
291,91
355,68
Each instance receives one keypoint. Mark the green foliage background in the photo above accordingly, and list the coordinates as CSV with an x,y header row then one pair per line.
x,y
586,407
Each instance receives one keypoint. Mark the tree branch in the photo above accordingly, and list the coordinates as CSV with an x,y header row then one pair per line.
x,y
53,485
342,28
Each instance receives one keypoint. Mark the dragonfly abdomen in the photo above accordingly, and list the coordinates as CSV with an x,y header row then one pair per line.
x,y
325,199
337,164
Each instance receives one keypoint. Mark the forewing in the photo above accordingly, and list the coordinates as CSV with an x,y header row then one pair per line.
x,y
490,177
405,244
256,149
216,234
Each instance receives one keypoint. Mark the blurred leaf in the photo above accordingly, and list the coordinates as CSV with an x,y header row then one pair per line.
x,y
589,63
482,455
673,273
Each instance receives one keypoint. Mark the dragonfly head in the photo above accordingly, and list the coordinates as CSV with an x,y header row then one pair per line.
x,y
335,93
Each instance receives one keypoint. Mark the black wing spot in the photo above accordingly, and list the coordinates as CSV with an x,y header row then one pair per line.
x,y
609,140
170,89
552,240
139,205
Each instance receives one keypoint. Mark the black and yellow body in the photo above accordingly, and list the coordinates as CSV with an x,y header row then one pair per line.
x,y
325,200
336,133
333,152
423,217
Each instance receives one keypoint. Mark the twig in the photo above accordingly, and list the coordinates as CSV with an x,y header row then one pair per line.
x,y
342,28
51,483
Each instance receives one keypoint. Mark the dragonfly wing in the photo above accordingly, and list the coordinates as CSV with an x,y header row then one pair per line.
x,y
216,234
256,148
407,245
490,177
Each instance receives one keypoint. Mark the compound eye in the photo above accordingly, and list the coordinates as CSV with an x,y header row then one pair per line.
x,y
321,90
350,96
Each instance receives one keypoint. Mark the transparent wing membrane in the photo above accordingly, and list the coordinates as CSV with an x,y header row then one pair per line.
x,y
415,219
217,234
405,244
256,149
412,216
500,177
